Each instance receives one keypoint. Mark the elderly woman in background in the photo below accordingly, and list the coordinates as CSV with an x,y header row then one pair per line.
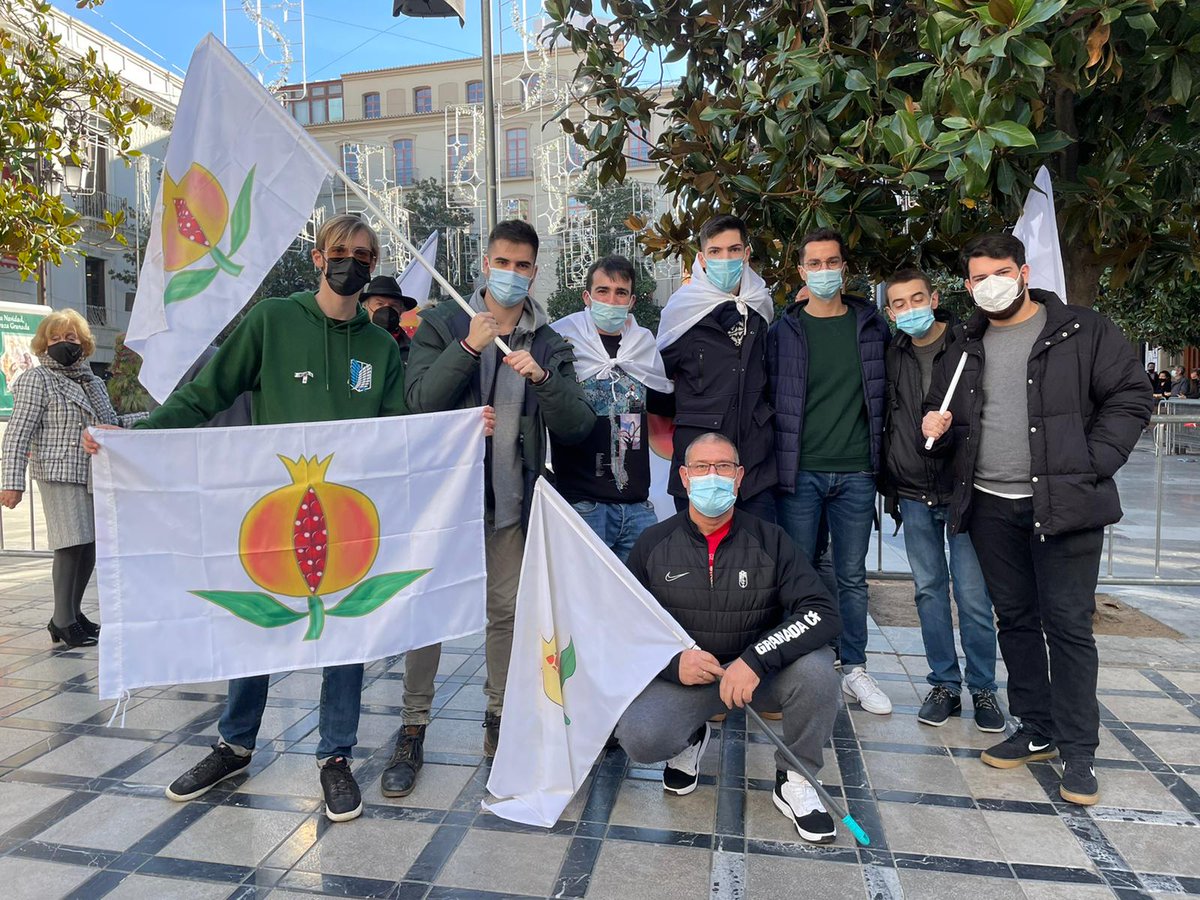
x,y
52,404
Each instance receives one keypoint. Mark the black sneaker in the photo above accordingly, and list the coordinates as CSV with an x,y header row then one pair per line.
x,y
205,775
1021,748
797,799
940,704
1079,782
682,771
491,733
343,800
988,715
400,777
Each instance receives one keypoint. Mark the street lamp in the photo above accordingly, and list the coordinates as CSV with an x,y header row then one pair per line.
x,y
446,9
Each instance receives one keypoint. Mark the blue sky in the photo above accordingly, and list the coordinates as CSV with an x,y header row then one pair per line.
x,y
342,35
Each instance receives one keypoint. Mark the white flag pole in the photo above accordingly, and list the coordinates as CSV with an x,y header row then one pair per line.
x,y
962,364
437,276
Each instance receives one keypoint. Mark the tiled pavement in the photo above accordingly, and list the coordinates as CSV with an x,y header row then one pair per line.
x,y
82,812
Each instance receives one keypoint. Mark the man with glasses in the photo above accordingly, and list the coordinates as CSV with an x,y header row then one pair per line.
x,y
712,337
825,356
606,477
310,357
762,622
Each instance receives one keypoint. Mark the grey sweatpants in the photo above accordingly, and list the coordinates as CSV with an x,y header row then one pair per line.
x,y
504,548
659,722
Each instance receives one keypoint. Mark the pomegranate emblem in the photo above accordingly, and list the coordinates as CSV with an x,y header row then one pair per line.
x,y
309,538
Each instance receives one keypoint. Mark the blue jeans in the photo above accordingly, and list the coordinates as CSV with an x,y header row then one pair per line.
x,y
925,542
618,524
848,501
341,697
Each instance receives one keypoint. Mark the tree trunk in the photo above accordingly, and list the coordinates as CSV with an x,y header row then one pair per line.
x,y
1083,270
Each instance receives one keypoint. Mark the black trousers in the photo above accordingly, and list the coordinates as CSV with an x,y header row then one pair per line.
x,y
1044,594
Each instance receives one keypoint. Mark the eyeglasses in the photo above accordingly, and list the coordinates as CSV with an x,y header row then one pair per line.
x,y
816,265
727,469
362,254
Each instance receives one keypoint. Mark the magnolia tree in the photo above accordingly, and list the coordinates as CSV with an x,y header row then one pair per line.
x,y
48,99
908,126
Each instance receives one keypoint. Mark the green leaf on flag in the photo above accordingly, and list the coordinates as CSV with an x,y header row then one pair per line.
x,y
239,222
566,662
371,594
188,284
260,609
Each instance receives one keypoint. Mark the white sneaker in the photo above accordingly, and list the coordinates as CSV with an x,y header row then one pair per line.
x,y
682,772
799,801
860,686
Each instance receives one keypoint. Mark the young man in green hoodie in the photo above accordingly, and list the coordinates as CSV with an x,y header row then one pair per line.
x,y
455,364
310,357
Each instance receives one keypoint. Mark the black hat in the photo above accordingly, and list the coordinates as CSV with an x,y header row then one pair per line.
x,y
387,286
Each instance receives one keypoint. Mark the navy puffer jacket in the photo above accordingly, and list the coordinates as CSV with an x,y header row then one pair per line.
x,y
787,363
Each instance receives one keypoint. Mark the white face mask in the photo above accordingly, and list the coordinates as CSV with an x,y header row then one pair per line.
x,y
996,293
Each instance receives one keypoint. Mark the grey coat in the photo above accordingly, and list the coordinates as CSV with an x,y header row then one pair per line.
x,y
45,432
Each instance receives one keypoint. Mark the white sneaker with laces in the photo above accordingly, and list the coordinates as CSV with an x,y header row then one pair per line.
x,y
797,799
682,771
860,686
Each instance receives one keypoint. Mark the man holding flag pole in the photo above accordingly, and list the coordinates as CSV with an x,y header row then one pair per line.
x,y
1047,407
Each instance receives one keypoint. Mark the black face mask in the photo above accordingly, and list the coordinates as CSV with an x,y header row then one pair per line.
x,y
65,353
386,318
346,276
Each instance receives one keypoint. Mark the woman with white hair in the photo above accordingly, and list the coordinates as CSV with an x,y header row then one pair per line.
x,y
52,404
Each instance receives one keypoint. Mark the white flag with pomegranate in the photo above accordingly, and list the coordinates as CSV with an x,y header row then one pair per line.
x,y
587,640
286,547
238,185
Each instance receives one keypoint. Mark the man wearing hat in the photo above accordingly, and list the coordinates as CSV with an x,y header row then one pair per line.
x,y
384,303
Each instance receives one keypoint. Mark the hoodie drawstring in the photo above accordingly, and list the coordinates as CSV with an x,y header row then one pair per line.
x,y
325,319
349,386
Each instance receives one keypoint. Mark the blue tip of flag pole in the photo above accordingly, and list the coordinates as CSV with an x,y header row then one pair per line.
x,y
855,829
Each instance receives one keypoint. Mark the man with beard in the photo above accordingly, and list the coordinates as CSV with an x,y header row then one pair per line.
x,y
1051,402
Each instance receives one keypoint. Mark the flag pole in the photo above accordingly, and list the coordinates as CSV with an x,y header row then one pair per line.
x,y
437,276
962,363
832,805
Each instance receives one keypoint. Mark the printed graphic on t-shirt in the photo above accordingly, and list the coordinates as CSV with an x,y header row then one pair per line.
x,y
622,400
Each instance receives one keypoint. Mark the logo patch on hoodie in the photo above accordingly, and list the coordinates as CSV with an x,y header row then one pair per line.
x,y
360,375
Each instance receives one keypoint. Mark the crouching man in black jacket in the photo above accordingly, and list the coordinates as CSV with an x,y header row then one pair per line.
x,y
1050,404
763,623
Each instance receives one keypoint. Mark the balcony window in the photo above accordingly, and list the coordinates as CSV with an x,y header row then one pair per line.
x,y
474,91
423,100
403,149
371,107
638,147
517,153
93,288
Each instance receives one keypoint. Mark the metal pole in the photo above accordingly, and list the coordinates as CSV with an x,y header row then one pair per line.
x,y
1110,550
1159,451
490,161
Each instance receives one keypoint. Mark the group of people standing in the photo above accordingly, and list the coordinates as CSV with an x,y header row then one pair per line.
x,y
785,429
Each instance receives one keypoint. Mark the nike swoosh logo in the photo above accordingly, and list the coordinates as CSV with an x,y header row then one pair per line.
x,y
1037,749
671,577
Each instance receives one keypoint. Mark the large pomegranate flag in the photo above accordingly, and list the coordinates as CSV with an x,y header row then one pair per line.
x,y
307,548
587,640
238,184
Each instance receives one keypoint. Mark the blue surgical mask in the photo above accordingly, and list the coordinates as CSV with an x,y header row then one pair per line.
x,y
915,322
725,274
608,317
825,284
506,287
711,494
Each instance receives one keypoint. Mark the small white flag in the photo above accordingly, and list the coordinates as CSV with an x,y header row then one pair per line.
x,y
238,183
587,640
416,281
286,546
1037,229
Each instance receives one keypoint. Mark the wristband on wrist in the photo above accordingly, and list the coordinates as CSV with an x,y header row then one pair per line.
x,y
475,353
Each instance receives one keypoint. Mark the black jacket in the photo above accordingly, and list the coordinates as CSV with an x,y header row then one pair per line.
x,y
764,604
720,387
907,472
1088,403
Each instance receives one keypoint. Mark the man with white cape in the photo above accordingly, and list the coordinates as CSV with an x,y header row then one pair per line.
x,y
606,477
713,338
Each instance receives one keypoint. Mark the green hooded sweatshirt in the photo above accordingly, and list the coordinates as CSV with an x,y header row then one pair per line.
x,y
299,365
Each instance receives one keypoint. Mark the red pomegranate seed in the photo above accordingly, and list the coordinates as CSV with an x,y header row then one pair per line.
x,y
309,542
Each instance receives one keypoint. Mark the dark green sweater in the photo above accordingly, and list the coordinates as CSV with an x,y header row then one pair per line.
x,y
836,435
298,365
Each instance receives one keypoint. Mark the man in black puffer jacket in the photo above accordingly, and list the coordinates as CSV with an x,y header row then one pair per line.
x,y
763,623
1051,402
